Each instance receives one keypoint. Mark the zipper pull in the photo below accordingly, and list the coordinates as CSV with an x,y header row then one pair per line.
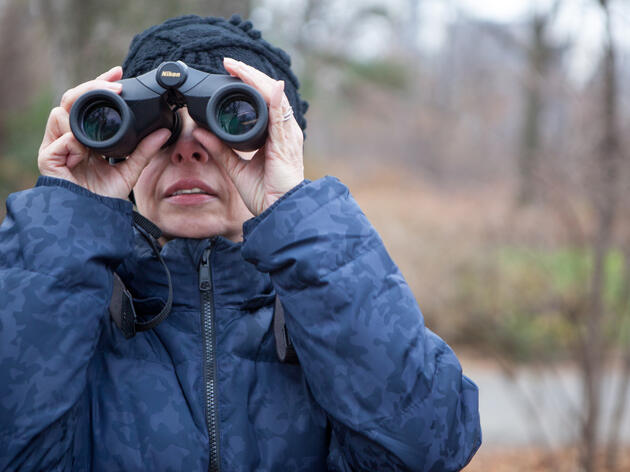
x,y
205,282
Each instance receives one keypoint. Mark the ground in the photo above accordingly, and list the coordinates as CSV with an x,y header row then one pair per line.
x,y
534,460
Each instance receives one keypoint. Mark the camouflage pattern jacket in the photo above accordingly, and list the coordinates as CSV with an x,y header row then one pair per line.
x,y
375,390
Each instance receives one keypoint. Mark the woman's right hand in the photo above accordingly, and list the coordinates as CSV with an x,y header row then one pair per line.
x,y
62,156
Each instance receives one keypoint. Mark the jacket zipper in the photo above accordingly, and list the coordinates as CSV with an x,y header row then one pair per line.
x,y
209,354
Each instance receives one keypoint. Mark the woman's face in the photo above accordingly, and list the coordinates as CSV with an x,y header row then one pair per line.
x,y
187,193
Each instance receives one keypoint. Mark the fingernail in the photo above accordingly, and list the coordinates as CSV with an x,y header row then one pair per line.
x,y
115,85
229,61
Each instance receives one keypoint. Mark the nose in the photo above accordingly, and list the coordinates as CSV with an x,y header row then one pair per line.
x,y
187,149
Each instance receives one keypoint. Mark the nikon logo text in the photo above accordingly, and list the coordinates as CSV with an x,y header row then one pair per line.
x,y
168,73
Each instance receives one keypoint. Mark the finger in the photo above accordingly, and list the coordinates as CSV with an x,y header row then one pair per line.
x,y
68,98
282,125
259,80
65,151
75,158
279,115
148,148
68,143
57,125
276,110
251,76
113,74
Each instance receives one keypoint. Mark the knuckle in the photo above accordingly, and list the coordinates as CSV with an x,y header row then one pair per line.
x,y
71,142
56,120
58,113
66,98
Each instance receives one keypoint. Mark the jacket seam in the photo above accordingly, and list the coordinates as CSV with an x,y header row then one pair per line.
x,y
113,203
367,249
262,360
141,359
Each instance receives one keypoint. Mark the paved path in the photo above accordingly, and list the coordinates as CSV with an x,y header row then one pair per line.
x,y
537,408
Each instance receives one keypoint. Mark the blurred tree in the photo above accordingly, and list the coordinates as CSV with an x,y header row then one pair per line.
x,y
86,37
541,51
621,395
19,37
323,33
593,342
16,40
412,25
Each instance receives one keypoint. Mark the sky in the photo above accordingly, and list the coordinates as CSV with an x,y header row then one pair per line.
x,y
579,23
501,10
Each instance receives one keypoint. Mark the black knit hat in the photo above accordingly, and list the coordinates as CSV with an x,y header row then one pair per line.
x,y
202,43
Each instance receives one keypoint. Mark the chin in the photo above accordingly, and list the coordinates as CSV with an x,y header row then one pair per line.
x,y
187,229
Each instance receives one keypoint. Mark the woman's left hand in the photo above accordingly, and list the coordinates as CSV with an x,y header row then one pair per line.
x,y
278,166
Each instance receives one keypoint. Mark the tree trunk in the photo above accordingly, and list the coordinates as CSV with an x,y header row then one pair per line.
x,y
539,56
605,205
80,50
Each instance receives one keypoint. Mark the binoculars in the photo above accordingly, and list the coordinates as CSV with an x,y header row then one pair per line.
x,y
113,124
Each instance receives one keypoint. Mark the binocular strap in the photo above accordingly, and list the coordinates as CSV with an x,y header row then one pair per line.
x,y
121,307
123,313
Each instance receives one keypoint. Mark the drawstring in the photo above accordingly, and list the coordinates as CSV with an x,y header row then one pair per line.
x,y
121,306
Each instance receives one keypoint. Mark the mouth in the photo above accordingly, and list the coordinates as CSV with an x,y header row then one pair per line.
x,y
189,192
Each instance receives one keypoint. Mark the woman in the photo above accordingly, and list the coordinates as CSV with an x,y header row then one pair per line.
x,y
205,390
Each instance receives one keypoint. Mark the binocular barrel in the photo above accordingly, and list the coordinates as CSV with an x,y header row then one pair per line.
x,y
113,124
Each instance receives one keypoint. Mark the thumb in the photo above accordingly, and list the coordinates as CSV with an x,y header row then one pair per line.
x,y
147,149
222,153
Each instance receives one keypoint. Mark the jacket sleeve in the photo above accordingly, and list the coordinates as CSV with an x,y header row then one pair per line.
x,y
58,246
393,390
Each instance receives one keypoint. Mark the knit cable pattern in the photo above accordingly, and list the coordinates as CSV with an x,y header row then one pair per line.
x,y
202,43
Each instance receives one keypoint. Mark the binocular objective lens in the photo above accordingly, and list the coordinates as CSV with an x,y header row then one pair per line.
x,y
236,116
101,122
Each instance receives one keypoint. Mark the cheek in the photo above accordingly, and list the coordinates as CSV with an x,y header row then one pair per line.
x,y
247,155
145,188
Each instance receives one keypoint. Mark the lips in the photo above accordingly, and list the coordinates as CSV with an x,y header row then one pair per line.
x,y
189,191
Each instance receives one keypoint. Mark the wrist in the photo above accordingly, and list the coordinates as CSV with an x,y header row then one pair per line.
x,y
249,224
280,191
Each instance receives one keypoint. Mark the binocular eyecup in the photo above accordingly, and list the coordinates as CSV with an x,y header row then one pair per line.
x,y
113,124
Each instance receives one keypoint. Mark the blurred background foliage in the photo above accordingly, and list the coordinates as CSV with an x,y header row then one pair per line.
x,y
491,155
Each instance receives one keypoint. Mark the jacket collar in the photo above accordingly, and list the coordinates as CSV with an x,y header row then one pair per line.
x,y
236,283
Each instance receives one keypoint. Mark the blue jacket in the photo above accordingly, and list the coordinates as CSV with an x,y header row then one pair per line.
x,y
375,390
